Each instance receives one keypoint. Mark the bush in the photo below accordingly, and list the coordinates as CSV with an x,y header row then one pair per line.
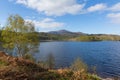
x,y
29,57
78,65
93,77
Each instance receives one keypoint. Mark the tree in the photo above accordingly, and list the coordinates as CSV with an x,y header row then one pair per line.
x,y
0,36
50,61
19,35
0,33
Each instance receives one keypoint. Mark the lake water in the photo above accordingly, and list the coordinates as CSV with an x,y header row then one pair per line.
x,y
105,55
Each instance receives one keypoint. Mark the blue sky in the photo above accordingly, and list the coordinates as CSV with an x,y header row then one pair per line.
x,y
89,16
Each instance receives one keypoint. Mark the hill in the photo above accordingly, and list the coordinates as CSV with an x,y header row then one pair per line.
x,y
66,32
61,35
64,35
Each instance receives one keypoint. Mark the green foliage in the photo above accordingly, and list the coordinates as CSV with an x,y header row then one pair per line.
x,y
78,65
92,37
19,34
109,37
88,38
46,36
98,38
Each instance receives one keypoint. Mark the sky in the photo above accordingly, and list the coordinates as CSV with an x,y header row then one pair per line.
x,y
88,16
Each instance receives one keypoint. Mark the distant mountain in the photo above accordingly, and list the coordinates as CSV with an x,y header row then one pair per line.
x,y
67,33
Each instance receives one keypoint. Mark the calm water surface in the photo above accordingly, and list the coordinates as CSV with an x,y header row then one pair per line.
x,y
104,55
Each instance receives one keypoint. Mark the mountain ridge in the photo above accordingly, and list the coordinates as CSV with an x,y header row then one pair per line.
x,y
66,32
66,35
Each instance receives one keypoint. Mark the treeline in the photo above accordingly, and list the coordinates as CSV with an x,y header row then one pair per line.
x,y
88,38
95,37
98,38
109,37
54,37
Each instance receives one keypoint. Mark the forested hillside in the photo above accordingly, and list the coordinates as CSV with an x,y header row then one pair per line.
x,y
65,35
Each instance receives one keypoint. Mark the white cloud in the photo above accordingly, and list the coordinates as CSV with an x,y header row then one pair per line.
x,y
62,7
114,17
115,7
97,7
54,7
22,2
114,13
46,23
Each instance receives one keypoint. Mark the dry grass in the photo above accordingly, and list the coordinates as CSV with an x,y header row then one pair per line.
x,y
14,68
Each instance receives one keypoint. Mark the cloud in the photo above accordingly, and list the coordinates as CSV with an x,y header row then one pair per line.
x,y
114,17
46,23
54,7
97,7
115,7
62,7
22,2
114,13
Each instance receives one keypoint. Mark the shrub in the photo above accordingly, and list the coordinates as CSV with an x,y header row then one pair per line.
x,y
29,57
93,77
78,65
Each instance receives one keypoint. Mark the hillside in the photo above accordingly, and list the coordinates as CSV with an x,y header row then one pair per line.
x,y
64,35
17,68
65,32
61,35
